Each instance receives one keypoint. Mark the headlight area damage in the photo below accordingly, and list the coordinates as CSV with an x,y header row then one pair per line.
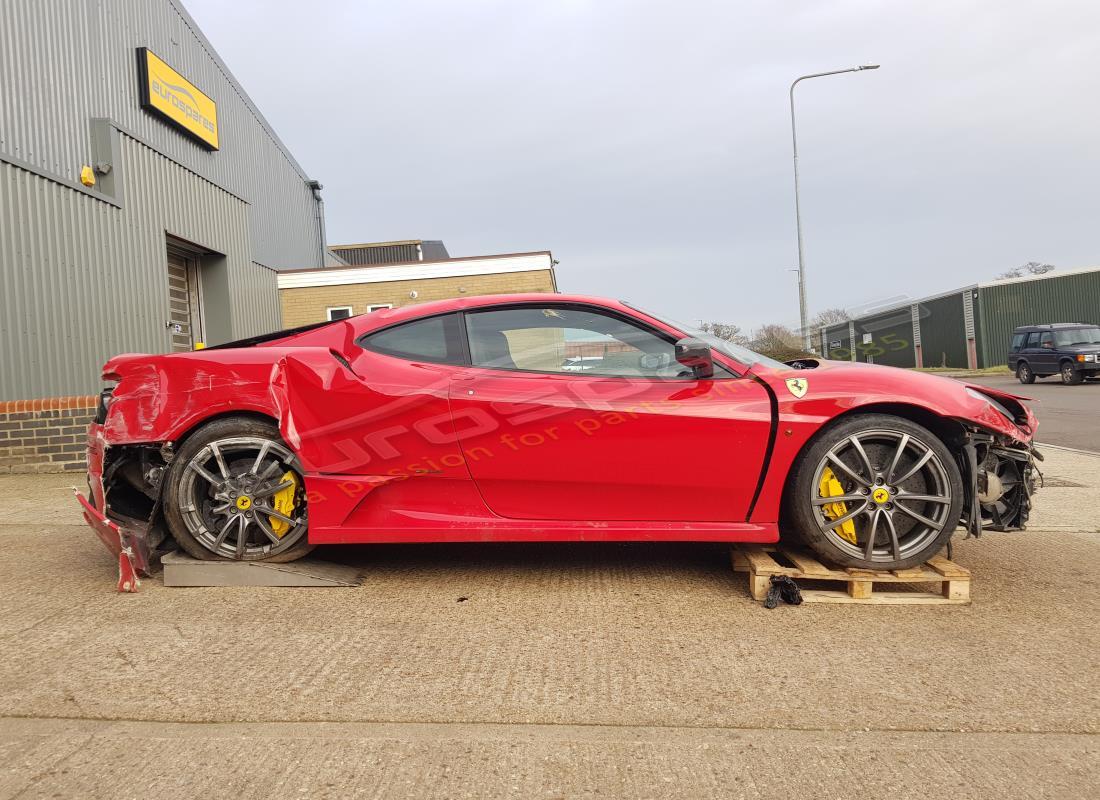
x,y
1002,477
999,465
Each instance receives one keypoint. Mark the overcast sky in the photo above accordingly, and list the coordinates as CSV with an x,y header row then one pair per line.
x,y
647,144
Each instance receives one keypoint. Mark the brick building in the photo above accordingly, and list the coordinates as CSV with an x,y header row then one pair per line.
x,y
314,295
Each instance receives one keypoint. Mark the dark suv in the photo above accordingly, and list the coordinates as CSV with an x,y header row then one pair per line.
x,y
1069,349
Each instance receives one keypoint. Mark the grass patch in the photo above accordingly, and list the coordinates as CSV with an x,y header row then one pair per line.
x,y
1000,370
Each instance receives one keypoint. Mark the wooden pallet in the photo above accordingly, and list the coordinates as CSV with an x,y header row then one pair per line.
x,y
762,562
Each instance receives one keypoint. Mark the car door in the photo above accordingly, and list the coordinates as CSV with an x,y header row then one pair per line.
x,y
634,436
1046,362
385,412
1016,349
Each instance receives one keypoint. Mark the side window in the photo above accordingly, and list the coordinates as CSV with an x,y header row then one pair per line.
x,y
437,339
1033,339
1018,340
1047,342
569,340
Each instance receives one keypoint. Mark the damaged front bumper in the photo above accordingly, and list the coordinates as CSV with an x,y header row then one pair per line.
x,y
1002,475
121,508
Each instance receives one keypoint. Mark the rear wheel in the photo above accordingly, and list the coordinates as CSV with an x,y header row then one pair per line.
x,y
235,492
1024,373
1070,376
877,492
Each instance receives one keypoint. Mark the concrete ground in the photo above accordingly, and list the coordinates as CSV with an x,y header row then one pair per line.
x,y
560,670
1067,414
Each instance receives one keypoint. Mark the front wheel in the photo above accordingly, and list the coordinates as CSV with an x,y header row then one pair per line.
x,y
1024,373
1070,376
235,492
875,491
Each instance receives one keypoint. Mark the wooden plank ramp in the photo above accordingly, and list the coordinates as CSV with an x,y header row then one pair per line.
x,y
859,586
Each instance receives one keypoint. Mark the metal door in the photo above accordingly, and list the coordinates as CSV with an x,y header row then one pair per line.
x,y
184,321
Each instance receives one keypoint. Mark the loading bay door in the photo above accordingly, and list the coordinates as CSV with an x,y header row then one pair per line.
x,y
184,301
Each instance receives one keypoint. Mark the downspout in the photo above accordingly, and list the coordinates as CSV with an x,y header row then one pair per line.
x,y
317,187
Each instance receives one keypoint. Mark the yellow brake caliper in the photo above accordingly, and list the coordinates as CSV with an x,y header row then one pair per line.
x,y
830,487
283,502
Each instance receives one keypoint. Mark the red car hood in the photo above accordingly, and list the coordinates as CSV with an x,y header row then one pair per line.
x,y
853,384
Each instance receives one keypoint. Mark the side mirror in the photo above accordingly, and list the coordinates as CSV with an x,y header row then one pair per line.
x,y
696,355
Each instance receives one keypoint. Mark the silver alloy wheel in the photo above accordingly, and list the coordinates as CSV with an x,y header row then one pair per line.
x,y
895,491
226,496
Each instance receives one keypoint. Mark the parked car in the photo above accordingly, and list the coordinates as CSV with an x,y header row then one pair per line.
x,y
1068,349
458,420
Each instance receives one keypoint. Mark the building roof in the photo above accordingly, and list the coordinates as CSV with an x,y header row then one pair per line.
x,y
403,251
1054,273
418,270
893,307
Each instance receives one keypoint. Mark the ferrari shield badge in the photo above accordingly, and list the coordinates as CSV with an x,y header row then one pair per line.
x,y
798,386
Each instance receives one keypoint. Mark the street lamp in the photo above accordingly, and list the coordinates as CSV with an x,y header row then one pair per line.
x,y
797,209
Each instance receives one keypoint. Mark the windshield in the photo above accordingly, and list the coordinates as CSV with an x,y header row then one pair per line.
x,y
1077,336
742,355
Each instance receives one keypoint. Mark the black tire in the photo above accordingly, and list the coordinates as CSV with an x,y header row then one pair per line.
x,y
183,517
1070,376
1024,373
802,516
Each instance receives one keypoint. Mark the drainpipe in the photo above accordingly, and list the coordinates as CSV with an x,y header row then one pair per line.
x,y
317,187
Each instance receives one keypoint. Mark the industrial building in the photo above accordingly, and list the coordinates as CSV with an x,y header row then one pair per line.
x,y
968,328
406,251
314,295
145,206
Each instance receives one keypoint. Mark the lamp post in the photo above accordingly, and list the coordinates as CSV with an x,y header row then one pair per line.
x,y
805,323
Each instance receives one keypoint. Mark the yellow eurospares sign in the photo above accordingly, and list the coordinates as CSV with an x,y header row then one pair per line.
x,y
172,97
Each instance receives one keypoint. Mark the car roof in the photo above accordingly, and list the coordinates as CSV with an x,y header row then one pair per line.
x,y
391,316
1053,326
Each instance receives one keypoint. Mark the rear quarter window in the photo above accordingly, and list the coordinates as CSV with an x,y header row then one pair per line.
x,y
435,339
1018,340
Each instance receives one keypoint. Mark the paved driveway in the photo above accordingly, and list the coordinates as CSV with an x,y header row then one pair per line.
x,y
1069,416
567,670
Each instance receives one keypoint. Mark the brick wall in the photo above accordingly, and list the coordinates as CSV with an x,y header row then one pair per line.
x,y
44,435
307,304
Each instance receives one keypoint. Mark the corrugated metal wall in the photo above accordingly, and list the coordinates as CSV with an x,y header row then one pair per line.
x,y
403,253
82,272
943,331
65,61
256,306
1074,297
83,279
891,335
837,345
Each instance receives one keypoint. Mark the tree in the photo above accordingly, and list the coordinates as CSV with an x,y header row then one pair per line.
x,y
778,342
775,337
725,330
829,316
1030,268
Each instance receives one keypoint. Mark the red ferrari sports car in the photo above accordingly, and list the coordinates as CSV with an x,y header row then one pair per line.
x,y
542,418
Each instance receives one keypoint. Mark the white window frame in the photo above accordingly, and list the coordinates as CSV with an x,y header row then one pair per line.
x,y
330,309
378,307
